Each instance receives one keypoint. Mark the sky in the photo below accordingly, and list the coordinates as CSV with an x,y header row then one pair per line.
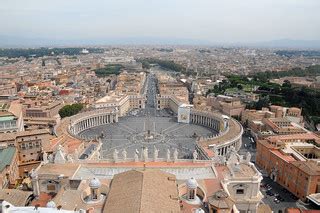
x,y
207,20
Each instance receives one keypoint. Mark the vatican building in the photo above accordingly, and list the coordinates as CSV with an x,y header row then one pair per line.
x,y
145,148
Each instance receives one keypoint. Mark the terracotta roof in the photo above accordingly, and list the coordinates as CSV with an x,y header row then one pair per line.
x,y
14,135
264,208
221,200
15,197
68,170
287,158
42,200
308,167
143,191
302,136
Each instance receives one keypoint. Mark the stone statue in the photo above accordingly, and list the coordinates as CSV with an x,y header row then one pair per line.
x,y
145,154
45,157
248,157
223,160
50,158
232,149
76,155
175,155
233,158
141,154
33,174
136,157
60,148
69,158
155,153
215,150
60,156
168,155
115,155
124,154
195,155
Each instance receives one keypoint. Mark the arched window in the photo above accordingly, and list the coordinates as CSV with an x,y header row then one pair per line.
x,y
191,194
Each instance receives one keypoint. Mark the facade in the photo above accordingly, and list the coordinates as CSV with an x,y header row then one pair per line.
x,y
8,89
130,83
8,122
11,117
42,110
9,171
276,121
123,104
184,113
227,105
157,184
293,165
30,145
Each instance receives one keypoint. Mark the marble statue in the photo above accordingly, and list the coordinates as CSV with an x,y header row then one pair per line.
x,y
76,155
168,155
195,155
223,160
155,153
50,158
175,155
69,158
124,154
145,154
215,151
136,156
248,157
141,154
45,157
115,155
33,174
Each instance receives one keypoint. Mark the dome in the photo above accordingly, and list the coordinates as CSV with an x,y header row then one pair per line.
x,y
192,183
199,210
51,204
94,183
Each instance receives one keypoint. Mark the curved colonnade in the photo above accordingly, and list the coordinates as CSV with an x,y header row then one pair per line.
x,y
229,130
229,133
89,119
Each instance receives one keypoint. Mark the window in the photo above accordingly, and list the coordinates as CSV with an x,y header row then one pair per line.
x,y
191,195
240,191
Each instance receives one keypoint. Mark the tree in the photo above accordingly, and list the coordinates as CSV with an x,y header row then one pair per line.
x,y
240,87
69,110
286,84
263,102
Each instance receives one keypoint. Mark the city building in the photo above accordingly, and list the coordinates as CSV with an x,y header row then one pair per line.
x,y
128,185
294,165
9,171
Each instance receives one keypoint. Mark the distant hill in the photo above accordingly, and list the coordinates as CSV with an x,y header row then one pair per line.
x,y
16,41
8,41
289,43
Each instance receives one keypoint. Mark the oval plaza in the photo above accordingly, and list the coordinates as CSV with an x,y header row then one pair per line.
x,y
155,121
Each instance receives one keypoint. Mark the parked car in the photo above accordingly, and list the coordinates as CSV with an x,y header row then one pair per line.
x,y
276,200
280,198
270,193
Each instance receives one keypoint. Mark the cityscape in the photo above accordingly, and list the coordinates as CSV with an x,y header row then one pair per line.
x,y
158,123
